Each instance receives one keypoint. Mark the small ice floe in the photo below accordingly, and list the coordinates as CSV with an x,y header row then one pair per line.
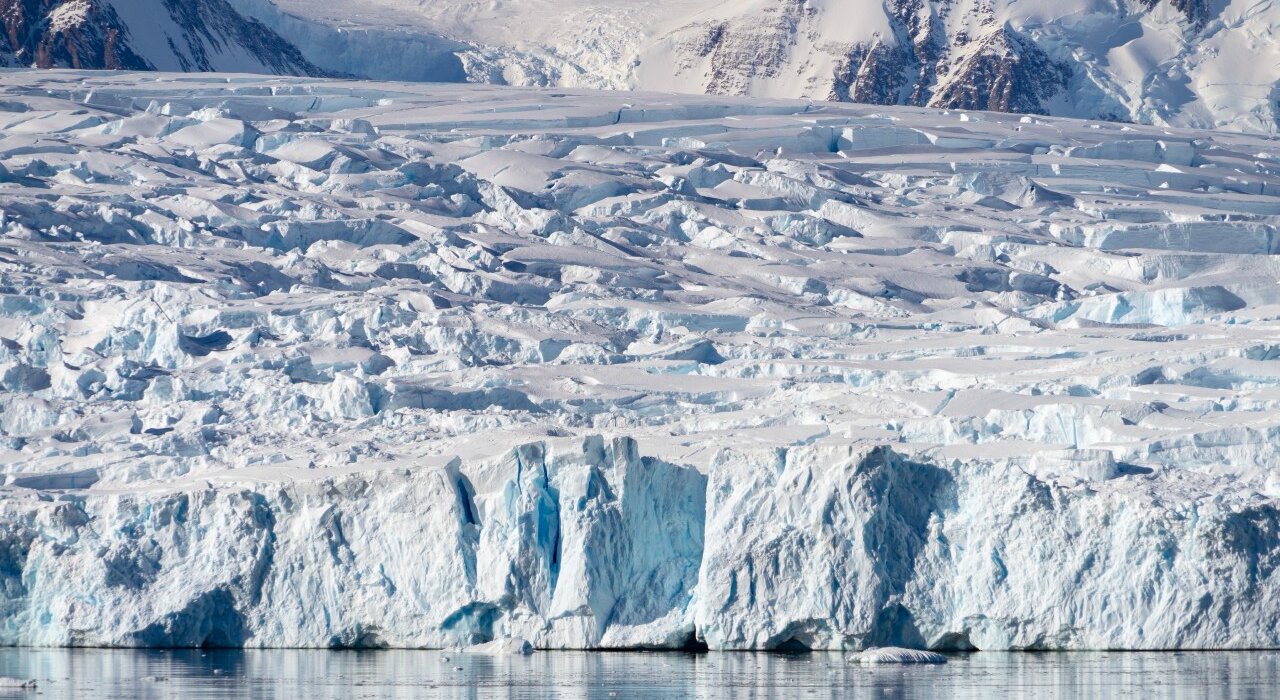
x,y
896,655
513,646
17,683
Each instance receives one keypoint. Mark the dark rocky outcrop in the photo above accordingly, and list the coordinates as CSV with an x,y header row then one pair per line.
x,y
1003,73
999,71
62,34
90,34
1197,11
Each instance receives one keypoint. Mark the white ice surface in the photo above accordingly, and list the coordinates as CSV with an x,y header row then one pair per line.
x,y
897,655
292,362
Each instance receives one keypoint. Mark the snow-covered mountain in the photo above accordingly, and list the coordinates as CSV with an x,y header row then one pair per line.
x,y
1191,63
189,35
211,35
297,362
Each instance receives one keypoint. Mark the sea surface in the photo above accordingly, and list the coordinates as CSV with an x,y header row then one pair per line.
x,y
317,675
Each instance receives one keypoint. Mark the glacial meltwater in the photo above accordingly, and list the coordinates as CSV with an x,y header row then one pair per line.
x,y
319,675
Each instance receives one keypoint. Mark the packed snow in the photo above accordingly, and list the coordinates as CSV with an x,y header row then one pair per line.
x,y
308,363
69,15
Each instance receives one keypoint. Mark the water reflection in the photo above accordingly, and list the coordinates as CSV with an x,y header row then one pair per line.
x,y
314,675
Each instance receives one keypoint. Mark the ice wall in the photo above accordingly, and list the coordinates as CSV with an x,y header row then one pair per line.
x,y
599,547
596,548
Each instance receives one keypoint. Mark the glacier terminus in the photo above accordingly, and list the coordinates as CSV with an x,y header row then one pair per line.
x,y
328,363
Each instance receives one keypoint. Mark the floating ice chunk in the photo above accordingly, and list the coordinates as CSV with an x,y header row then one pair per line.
x,y
511,646
17,683
897,655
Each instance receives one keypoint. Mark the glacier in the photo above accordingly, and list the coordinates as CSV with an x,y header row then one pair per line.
x,y
299,362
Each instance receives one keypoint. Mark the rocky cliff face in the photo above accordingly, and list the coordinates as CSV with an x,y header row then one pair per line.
x,y
1197,11
740,53
211,26
942,53
1072,58
53,33
191,35
1003,72
900,68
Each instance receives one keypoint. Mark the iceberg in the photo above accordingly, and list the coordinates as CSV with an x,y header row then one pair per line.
x,y
897,655
502,647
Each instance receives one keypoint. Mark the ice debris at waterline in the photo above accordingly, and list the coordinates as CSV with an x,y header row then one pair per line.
x,y
897,655
7,683
502,647
291,362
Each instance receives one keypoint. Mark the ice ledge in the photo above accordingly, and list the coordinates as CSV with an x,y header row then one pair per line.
x,y
815,547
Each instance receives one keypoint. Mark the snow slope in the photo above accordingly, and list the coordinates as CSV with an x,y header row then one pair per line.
x,y
296,362
212,35
1190,63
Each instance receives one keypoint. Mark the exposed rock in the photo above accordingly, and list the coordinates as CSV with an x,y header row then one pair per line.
x,y
1002,72
1197,11
65,33
201,36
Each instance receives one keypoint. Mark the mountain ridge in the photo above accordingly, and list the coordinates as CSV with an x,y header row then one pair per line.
x,y
1187,63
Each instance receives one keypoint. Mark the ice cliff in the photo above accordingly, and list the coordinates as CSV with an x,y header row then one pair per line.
x,y
595,546
299,362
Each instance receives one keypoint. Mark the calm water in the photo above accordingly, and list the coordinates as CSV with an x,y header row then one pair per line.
x,y
317,675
